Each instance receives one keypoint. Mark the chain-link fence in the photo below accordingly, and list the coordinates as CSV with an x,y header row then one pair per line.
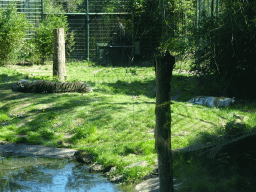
x,y
99,28
109,31
32,9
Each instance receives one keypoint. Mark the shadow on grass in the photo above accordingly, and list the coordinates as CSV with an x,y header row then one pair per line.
x,y
232,169
183,86
146,88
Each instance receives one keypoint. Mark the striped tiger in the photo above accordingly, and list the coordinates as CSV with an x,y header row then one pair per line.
x,y
42,86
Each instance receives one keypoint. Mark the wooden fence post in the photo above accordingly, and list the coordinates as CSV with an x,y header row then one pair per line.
x,y
59,68
164,67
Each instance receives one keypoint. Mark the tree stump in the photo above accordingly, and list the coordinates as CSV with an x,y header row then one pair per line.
x,y
59,68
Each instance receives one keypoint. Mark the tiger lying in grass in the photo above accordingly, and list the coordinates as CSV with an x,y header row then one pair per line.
x,y
41,86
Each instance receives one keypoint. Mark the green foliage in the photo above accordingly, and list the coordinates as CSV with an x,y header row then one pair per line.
x,y
34,138
47,133
44,34
225,45
10,138
28,53
56,6
13,27
179,21
235,128
83,131
71,43
148,25
3,116
168,32
135,173
22,140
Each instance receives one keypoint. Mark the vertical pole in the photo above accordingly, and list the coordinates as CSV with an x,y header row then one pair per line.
x,y
199,10
217,8
196,13
88,33
59,68
164,67
163,17
42,9
208,7
212,8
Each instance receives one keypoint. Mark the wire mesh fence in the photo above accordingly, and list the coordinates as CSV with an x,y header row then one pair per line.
x,y
32,9
95,25
110,30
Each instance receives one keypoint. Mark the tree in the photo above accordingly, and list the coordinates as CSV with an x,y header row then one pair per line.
x,y
44,34
13,26
164,67
225,45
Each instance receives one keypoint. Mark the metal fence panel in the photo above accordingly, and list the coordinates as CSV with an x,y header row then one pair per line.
x,y
32,9
95,24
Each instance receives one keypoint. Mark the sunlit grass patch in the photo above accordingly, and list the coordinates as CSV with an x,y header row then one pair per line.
x,y
4,116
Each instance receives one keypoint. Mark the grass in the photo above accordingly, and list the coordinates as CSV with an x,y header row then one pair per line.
x,y
199,176
116,121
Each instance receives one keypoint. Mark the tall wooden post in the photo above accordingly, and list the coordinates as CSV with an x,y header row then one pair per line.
x,y
164,67
59,68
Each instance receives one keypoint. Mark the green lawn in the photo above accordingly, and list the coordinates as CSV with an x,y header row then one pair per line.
x,y
116,121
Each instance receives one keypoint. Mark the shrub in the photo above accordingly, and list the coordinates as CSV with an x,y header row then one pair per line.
x,y
13,27
44,34
28,54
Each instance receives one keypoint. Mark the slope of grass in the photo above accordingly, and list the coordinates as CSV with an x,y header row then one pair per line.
x,y
115,122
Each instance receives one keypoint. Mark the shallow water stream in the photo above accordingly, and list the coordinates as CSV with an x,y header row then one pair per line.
x,y
29,174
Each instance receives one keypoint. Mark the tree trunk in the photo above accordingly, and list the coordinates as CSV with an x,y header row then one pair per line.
x,y
59,68
164,67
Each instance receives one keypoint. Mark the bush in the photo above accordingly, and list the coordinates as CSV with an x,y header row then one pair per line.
x,y
13,27
44,34
29,53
